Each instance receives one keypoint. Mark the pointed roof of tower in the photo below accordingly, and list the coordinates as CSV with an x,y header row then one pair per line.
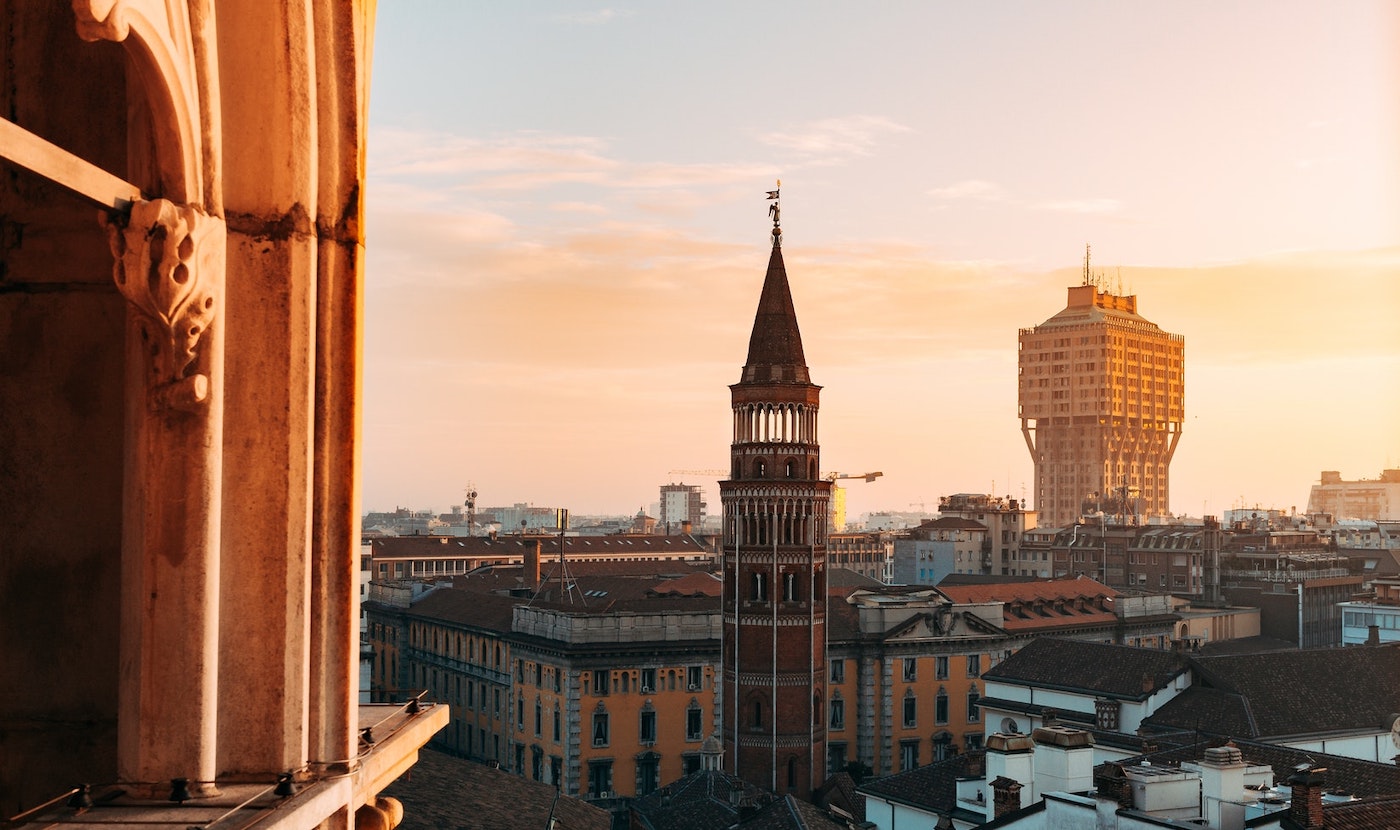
x,y
775,347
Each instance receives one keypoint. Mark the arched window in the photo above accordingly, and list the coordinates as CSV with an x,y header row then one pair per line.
x,y
791,468
789,587
760,469
816,710
760,587
757,713
792,773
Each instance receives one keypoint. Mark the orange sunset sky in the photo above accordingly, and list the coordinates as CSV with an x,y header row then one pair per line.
x,y
567,235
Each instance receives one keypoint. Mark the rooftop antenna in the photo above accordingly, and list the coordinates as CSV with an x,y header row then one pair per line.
x,y
775,210
1087,280
1120,281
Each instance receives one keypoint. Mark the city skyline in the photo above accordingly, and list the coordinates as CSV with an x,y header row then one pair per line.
x,y
565,206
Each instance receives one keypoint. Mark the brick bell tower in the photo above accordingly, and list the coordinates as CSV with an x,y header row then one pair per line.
x,y
774,556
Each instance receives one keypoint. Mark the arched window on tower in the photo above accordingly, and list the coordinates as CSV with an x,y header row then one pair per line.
x,y
757,713
760,469
791,471
792,773
760,587
789,587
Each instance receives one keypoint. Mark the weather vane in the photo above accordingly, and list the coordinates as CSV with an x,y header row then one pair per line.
x,y
775,210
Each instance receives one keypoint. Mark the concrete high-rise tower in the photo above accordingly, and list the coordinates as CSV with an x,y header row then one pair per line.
x,y
1102,403
774,556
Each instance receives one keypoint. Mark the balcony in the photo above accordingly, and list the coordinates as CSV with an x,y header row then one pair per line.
x,y
390,737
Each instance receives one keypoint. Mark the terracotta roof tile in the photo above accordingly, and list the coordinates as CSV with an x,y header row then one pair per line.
x,y
1305,691
1094,668
441,791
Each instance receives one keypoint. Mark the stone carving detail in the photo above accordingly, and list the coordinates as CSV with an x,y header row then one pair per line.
x,y
101,20
170,267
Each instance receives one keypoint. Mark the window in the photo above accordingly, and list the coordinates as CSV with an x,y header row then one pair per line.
x,y
908,755
600,728
690,762
648,681
838,670
694,678
520,712
537,763
647,729
940,667
648,772
759,592
757,714
910,711
694,722
973,715
835,758
539,718
600,779
911,669
974,665
838,713
557,730
601,682
942,746
940,706
973,741
789,587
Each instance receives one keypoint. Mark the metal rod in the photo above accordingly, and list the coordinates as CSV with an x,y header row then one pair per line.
x,y
23,148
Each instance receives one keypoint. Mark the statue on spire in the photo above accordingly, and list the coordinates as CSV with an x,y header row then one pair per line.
x,y
775,210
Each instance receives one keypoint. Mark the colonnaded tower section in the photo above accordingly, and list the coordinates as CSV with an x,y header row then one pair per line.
x,y
1102,402
774,557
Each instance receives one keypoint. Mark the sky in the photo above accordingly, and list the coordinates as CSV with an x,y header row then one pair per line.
x,y
567,233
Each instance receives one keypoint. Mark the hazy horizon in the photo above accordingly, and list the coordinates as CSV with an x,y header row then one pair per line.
x,y
567,235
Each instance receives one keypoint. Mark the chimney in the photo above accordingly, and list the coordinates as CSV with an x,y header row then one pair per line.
x,y
1010,756
532,566
1222,787
1006,796
1306,807
685,527
1064,760
1373,635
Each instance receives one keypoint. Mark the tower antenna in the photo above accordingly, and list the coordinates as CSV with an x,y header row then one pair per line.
x,y
1086,264
775,210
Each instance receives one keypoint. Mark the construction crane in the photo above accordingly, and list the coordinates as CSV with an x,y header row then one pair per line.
x,y
869,477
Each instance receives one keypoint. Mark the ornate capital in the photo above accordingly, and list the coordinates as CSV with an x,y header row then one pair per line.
x,y
170,267
101,20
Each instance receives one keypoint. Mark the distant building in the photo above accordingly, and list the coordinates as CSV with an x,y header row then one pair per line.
x,y
1374,620
682,508
938,547
1007,521
1101,398
1374,499
867,553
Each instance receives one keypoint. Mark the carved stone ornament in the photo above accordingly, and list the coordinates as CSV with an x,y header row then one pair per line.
x,y
170,267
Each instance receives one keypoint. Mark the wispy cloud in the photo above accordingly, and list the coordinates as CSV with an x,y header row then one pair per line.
x,y
1081,206
978,189
834,138
593,17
